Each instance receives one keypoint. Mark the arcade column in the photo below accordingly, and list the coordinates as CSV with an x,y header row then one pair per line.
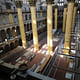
x,y
49,26
74,16
64,17
8,6
68,26
56,13
34,24
21,23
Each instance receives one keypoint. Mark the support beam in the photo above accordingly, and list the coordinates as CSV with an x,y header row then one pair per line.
x,y
56,13
21,23
34,24
10,16
49,26
64,17
68,26
74,16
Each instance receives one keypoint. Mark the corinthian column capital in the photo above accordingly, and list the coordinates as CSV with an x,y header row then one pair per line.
x,y
8,5
18,3
32,2
49,1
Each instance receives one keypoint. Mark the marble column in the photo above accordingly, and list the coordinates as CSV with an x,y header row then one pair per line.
x,y
49,26
74,16
56,13
68,26
21,23
64,17
10,16
34,24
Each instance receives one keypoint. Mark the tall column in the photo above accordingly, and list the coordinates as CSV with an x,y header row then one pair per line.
x,y
74,16
42,19
8,6
21,23
68,27
56,12
34,24
49,26
79,31
78,22
64,17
